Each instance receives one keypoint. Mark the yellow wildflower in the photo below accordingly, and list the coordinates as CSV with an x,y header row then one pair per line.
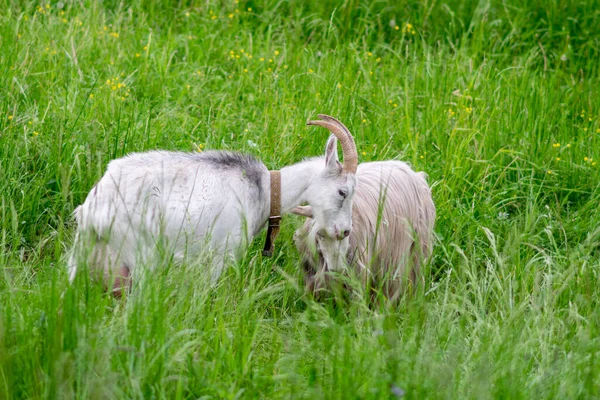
x,y
10,117
187,14
339,85
364,153
137,54
557,158
276,52
35,133
114,34
249,9
230,16
408,28
310,71
262,59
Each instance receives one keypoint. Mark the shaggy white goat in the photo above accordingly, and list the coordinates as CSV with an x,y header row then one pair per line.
x,y
392,215
188,204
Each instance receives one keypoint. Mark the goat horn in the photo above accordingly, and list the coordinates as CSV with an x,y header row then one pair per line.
x,y
345,137
304,211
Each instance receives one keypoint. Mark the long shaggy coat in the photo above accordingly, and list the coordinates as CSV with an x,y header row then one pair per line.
x,y
393,216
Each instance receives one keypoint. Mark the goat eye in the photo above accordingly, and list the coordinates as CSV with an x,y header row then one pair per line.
x,y
342,193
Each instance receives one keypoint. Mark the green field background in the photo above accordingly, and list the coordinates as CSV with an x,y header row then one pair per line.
x,y
498,101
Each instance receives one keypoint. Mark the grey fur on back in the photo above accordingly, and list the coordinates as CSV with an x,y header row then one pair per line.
x,y
247,164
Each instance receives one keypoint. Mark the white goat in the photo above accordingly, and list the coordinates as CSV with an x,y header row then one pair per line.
x,y
393,216
190,204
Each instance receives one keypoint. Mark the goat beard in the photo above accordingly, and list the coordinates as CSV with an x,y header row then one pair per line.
x,y
318,269
333,253
320,257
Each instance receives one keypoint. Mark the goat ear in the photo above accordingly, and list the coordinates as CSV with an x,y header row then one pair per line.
x,y
331,154
304,211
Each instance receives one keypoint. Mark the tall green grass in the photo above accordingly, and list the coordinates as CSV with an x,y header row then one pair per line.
x,y
496,100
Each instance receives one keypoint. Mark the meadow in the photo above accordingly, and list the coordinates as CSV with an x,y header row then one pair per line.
x,y
498,101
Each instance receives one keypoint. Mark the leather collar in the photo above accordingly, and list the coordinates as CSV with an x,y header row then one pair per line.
x,y
274,214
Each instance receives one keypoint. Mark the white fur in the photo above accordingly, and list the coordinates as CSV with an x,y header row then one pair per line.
x,y
148,205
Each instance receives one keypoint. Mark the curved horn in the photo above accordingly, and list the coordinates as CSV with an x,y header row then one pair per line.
x,y
345,137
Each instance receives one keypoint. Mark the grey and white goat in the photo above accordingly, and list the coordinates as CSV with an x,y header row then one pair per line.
x,y
190,204
392,215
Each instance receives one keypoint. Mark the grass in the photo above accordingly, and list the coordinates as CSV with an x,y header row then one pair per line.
x,y
496,100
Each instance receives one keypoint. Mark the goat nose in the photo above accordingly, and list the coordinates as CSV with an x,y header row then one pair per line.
x,y
347,233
